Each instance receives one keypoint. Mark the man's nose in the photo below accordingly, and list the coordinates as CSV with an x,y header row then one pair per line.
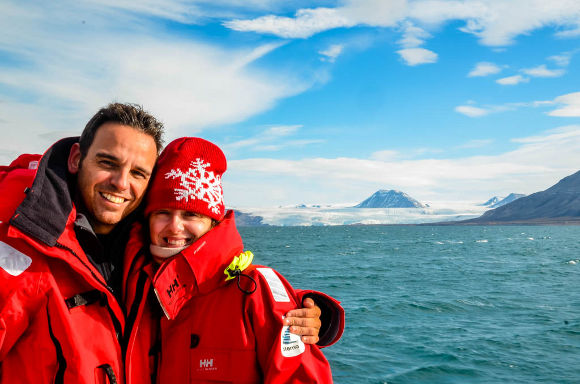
x,y
121,180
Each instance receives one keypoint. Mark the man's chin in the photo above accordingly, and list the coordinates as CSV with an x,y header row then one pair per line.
x,y
104,223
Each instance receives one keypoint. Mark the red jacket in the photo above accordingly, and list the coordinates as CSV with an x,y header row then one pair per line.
x,y
59,322
216,331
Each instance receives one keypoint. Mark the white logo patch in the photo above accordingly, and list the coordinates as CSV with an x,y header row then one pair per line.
x,y
276,286
13,261
290,345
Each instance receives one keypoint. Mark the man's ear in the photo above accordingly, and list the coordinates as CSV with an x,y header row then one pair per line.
x,y
74,158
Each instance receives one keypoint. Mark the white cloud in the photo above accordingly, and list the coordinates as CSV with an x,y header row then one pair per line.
x,y
571,108
416,56
512,80
562,60
537,163
309,21
565,133
386,155
306,23
331,53
378,13
273,138
542,71
412,153
285,145
81,66
412,53
477,143
484,69
413,36
472,111
569,33
496,23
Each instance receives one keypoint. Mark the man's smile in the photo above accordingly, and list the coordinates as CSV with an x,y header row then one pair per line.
x,y
112,198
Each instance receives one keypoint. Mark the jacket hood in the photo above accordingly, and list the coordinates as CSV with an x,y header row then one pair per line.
x,y
44,212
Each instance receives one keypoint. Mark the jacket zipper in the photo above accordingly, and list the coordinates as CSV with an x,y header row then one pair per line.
x,y
61,361
116,323
61,246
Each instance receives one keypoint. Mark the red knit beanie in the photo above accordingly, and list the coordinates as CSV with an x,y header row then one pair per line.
x,y
188,176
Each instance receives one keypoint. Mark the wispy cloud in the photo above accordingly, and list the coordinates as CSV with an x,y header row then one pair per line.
x,y
412,52
391,155
91,59
416,56
570,105
543,71
513,80
484,69
305,23
272,138
562,60
476,143
569,33
331,53
309,21
471,111
413,36
537,163
386,155
496,23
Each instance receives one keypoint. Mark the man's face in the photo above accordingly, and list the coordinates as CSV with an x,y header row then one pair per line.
x,y
113,176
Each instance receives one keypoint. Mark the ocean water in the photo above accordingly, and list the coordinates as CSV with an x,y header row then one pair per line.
x,y
440,304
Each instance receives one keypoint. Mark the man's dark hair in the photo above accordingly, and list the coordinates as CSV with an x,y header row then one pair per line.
x,y
128,114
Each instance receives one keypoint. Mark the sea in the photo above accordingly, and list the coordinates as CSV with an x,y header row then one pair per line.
x,y
440,304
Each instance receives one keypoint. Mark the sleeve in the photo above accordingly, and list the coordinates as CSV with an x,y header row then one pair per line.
x,y
19,298
332,316
282,356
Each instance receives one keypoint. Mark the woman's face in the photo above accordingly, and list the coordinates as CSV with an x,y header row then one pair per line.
x,y
176,228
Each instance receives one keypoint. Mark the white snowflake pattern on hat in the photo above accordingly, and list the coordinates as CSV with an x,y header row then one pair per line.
x,y
199,183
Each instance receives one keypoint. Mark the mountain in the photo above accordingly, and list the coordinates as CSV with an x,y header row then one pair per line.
x,y
390,199
511,197
557,204
248,220
492,201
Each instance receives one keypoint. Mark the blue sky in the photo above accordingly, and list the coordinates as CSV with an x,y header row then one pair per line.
x,y
316,102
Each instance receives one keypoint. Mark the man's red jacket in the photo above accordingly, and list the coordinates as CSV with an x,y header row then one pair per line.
x,y
59,322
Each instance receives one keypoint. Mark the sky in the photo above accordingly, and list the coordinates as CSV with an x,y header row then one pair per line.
x,y
313,102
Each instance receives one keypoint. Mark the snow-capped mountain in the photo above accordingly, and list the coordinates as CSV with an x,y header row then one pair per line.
x,y
511,197
390,199
494,200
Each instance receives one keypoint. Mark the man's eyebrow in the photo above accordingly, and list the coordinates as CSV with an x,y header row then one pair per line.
x,y
103,155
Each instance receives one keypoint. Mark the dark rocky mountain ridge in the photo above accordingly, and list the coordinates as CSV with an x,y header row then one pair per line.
x,y
559,203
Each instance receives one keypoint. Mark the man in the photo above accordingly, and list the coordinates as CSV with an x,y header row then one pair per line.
x,y
64,221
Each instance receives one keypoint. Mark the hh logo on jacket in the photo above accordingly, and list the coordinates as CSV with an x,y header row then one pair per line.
x,y
172,288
